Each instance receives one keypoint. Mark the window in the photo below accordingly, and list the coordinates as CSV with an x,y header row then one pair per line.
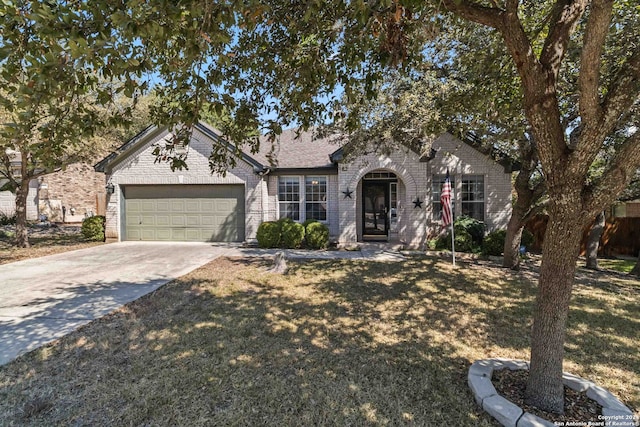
x,y
393,205
289,197
436,188
315,197
298,205
473,196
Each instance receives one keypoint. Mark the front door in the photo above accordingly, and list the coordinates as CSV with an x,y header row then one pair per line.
x,y
375,210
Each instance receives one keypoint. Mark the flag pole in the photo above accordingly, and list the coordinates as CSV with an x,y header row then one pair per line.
x,y
453,245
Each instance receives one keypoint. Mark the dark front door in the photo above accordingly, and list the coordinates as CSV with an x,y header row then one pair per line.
x,y
375,210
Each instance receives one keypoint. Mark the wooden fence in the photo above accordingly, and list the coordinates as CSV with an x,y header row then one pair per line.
x,y
621,236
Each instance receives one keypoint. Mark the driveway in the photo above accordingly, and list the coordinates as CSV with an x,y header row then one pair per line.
x,y
45,298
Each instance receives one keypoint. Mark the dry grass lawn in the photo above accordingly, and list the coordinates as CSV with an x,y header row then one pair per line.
x,y
331,343
42,246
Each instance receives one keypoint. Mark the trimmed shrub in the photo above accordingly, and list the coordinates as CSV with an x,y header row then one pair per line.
x,y
317,235
493,243
269,234
309,221
472,226
292,234
463,241
93,228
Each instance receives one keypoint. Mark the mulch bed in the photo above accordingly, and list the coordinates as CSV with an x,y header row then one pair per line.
x,y
578,408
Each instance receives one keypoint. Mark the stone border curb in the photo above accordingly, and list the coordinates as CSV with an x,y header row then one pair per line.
x,y
614,412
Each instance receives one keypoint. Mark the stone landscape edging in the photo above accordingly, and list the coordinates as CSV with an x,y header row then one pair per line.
x,y
614,412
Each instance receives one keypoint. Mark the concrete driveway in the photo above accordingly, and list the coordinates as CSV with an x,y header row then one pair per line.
x,y
45,298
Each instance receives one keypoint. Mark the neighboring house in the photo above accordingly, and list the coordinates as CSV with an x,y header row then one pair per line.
x,y
8,202
78,188
393,198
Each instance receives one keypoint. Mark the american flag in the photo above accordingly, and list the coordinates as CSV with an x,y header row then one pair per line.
x,y
445,201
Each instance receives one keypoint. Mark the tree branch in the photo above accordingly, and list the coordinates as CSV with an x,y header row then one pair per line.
x,y
623,91
474,12
591,60
616,176
564,17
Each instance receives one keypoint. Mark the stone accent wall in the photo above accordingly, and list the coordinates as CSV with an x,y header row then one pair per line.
x,y
78,188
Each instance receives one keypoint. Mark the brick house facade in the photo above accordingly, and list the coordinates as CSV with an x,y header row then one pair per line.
x,y
391,198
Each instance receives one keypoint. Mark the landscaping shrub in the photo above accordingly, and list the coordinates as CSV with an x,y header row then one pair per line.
x,y
493,243
472,226
463,240
269,234
527,239
6,219
469,233
309,221
93,228
292,234
317,236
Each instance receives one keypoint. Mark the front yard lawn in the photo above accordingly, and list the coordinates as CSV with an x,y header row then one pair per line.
x,y
43,242
331,343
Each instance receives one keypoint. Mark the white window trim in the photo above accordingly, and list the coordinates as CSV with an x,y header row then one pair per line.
x,y
484,194
303,195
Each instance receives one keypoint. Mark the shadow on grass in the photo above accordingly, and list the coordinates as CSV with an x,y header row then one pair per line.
x,y
331,343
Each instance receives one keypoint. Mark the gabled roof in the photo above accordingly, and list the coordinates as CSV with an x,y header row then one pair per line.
x,y
297,151
290,151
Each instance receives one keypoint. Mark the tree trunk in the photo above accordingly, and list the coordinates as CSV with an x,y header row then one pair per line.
x,y
22,237
512,240
560,253
636,268
594,241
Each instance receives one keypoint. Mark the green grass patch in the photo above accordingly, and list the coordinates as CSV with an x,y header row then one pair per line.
x,y
330,343
620,265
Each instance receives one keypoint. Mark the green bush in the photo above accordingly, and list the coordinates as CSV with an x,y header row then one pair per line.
x,y
292,235
269,234
463,241
6,219
527,239
472,226
93,228
493,243
317,236
309,221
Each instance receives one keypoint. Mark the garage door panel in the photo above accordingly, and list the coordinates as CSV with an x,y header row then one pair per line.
x,y
184,212
207,206
163,206
162,219
192,220
163,234
178,220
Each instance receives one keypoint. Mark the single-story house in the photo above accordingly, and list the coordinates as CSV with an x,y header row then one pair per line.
x,y
394,198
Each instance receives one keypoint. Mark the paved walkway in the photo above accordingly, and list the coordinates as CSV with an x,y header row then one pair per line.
x,y
45,298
